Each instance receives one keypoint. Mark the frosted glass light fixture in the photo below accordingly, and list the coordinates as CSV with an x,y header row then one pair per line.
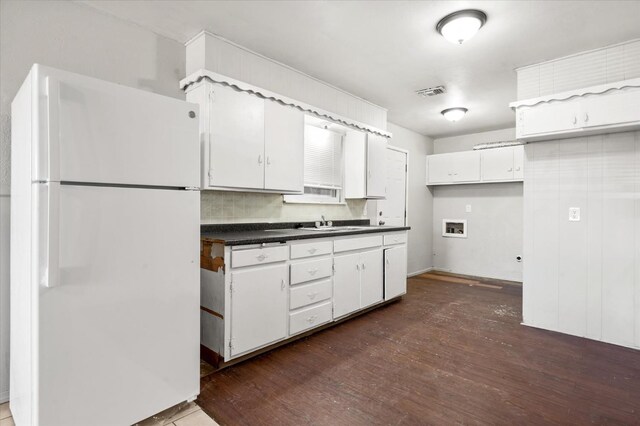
x,y
454,114
460,26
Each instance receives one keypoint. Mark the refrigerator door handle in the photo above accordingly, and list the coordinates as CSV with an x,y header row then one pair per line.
x,y
51,234
53,128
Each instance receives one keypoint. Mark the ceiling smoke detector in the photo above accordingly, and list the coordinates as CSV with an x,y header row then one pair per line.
x,y
431,91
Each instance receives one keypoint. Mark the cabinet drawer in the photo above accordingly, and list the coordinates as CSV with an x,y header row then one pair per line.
x,y
309,318
315,248
310,270
258,256
395,239
310,293
357,243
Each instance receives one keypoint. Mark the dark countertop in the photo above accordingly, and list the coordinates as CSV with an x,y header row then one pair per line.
x,y
258,233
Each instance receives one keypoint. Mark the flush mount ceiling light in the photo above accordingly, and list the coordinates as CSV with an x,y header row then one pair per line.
x,y
460,26
454,114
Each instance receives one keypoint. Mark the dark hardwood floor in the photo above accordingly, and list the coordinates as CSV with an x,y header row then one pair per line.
x,y
448,353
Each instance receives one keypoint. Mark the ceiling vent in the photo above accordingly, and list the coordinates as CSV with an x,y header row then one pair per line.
x,y
431,91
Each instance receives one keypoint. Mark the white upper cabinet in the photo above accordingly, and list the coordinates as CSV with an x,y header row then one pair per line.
x,y
599,109
355,167
497,164
283,147
236,139
365,165
488,165
617,108
554,118
376,166
248,142
438,169
502,164
456,167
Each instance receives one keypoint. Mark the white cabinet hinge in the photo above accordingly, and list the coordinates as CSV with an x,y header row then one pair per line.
x,y
230,344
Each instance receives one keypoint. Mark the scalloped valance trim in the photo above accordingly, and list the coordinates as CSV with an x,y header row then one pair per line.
x,y
633,83
266,94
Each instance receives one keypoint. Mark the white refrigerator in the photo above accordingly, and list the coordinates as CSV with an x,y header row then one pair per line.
x,y
104,252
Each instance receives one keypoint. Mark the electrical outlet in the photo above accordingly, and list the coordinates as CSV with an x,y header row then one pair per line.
x,y
468,208
574,214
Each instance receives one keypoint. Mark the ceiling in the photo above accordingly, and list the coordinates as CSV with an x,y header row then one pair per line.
x,y
384,51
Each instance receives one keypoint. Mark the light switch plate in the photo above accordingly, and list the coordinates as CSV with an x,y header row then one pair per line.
x,y
574,214
468,208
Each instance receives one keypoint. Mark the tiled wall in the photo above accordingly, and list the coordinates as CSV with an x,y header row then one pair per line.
x,y
606,65
230,207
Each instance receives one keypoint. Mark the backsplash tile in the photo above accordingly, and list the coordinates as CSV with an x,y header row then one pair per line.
x,y
234,207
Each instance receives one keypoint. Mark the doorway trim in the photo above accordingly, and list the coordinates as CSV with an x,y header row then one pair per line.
x,y
406,182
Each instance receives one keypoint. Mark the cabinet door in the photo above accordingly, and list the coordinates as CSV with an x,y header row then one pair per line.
x,y
258,307
615,108
548,118
346,284
466,166
395,272
355,153
376,165
439,168
497,164
371,285
518,162
284,148
236,154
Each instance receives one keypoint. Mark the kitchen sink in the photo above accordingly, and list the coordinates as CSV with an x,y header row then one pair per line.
x,y
333,228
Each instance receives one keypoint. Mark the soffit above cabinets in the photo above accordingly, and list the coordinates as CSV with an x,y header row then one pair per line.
x,y
245,87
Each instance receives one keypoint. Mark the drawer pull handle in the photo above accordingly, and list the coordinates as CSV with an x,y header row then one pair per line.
x,y
282,284
261,257
387,261
363,266
312,250
312,295
357,267
312,319
312,271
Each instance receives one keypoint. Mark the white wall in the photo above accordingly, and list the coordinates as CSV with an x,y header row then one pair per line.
x,y
420,197
77,38
600,66
583,278
494,223
494,230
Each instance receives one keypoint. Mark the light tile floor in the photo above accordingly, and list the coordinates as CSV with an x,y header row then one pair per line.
x,y
187,415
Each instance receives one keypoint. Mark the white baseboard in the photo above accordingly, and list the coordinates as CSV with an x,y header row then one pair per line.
x,y
4,396
413,274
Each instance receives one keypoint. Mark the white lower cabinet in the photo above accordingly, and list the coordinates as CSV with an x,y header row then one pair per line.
x,y
308,294
395,271
371,287
346,284
309,318
258,295
357,281
258,307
